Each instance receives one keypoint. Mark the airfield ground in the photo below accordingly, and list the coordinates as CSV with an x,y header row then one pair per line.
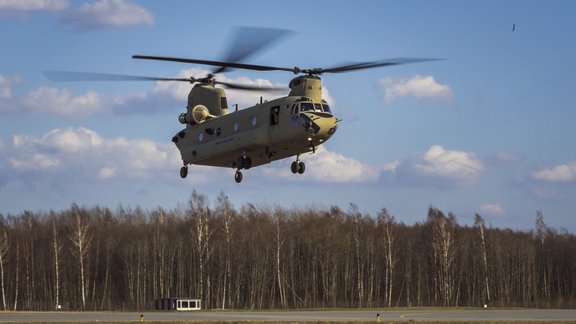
x,y
501,316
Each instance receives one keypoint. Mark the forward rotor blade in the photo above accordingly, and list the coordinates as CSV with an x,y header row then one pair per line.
x,y
249,40
370,65
214,63
89,76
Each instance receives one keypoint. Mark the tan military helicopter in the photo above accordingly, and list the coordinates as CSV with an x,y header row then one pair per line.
x,y
269,131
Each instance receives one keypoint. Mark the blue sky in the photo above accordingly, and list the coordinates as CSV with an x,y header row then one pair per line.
x,y
489,129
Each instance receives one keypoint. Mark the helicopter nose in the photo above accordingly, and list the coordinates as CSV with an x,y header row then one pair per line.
x,y
319,126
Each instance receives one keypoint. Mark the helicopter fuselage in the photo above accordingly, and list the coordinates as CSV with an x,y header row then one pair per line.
x,y
265,132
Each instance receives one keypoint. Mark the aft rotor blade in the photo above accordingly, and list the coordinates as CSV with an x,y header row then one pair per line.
x,y
89,76
247,87
214,63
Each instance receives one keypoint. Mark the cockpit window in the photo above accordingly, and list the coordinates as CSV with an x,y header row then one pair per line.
x,y
326,108
306,106
317,107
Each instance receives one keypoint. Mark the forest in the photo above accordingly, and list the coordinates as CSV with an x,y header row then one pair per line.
x,y
268,257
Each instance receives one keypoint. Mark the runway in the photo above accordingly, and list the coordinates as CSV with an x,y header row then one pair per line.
x,y
419,315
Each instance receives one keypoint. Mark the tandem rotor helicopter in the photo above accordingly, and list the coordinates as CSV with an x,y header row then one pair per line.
x,y
272,130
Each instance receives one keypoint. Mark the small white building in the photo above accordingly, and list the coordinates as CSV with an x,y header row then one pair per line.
x,y
178,304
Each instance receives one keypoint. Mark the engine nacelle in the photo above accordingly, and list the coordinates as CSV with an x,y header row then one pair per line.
x,y
200,113
197,115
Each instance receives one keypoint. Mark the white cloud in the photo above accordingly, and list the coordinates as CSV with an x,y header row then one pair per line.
x,y
492,209
34,5
439,167
71,140
420,87
108,13
334,167
325,166
563,173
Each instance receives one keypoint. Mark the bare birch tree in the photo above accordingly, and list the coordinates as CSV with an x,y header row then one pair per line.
x,y
56,256
80,238
224,210
358,233
279,240
387,223
201,231
3,259
479,224
443,245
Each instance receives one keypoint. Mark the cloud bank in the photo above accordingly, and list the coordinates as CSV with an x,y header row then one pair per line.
x,y
80,153
34,5
88,16
108,13
163,97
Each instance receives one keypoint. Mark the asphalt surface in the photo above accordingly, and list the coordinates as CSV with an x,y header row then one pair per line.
x,y
521,315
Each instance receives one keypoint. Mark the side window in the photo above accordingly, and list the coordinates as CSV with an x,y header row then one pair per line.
x,y
274,115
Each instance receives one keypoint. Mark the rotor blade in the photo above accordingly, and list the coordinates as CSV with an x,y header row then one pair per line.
x,y
249,40
247,87
89,76
214,63
375,64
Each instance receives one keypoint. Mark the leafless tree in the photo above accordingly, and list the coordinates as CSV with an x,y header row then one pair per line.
x,y
3,259
80,238
387,222
57,256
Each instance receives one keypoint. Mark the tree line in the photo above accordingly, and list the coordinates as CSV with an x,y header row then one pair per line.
x,y
259,257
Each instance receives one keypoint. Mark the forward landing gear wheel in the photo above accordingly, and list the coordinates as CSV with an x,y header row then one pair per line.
x,y
294,167
301,167
183,172
238,176
298,167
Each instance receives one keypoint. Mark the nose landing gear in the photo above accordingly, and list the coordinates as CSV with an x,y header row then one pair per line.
x,y
298,166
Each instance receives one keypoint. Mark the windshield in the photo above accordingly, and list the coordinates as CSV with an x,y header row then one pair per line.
x,y
306,106
320,107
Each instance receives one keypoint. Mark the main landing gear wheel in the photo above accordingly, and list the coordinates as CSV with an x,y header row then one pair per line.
x,y
183,172
238,176
244,162
298,167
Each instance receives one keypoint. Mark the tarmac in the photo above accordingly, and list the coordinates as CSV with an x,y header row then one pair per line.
x,y
406,315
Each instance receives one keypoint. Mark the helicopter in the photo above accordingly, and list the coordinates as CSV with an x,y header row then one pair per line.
x,y
284,127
